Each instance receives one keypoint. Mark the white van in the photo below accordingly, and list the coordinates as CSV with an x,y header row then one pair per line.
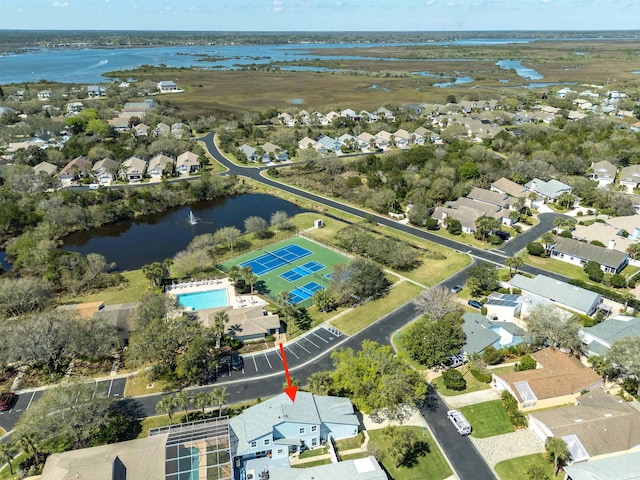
x,y
94,186
459,421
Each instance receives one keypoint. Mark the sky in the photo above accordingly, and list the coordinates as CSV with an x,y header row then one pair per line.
x,y
320,15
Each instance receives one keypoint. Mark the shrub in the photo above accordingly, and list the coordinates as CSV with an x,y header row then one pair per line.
x,y
481,377
536,249
630,385
491,355
432,224
597,243
518,419
453,380
594,272
509,402
618,281
565,234
526,363
454,227
354,182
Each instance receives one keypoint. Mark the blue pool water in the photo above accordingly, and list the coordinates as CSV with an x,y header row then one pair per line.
x,y
201,300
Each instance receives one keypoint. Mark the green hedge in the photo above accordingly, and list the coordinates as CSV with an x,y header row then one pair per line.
x,y
605,292
481,377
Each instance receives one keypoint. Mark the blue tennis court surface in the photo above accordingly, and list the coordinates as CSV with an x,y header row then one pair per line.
x,y
301,271
300,294
276,259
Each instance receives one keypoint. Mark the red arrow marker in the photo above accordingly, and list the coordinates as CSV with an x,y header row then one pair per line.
x,y
290,390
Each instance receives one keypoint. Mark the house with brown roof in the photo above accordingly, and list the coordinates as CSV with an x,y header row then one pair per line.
x,y
505,186
603,172
630,177
105,170
558,380
46,167
248,323
598,425
79,167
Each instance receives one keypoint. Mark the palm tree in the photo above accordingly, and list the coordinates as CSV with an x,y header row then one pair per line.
x,y
515,263
250,279
234,273
320,382
166,406
6,455
182,400
219,321
201,400
557,452
219,395
28,444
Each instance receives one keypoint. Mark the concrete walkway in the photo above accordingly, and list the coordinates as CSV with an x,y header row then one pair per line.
x,y
457,401
509,445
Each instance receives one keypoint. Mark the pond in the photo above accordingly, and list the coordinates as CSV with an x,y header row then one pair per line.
x,y
153,238
520,70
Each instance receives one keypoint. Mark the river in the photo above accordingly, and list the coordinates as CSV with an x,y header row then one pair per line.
x,y
153,238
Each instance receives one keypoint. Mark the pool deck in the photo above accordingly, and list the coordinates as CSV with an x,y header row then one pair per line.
x,y
236,301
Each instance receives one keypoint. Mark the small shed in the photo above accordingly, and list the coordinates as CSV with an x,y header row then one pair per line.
x,y
318,223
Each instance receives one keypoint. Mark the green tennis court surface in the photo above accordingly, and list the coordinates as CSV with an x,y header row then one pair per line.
x,y
294,265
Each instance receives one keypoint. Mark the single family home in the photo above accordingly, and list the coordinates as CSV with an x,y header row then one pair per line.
x,y
167,86
630,177
46,168
187,162
133,169
249,152
579,253
603,172
548,191
599,338
105,171
482,333
160,165
79,167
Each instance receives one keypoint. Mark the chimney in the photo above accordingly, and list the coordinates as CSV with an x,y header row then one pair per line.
x,y
612,245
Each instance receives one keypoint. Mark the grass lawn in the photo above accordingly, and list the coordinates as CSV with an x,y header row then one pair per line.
x,y
273,283
488,419
350,443
432,465
324,461
473,385
507,369
364,315
154,422
557,266
516,468
137,286
4,469
141,385
314,453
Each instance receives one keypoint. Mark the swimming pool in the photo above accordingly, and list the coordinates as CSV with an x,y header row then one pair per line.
x,y
206,299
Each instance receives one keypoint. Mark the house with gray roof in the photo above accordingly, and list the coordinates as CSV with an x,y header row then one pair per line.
x,y
600,337
486,209
482,333
603,172
249,152
330,143
187,162
579,253
467,216
630,177
598,425
503,307
548,191
274,152
160,165
562,294
105,170
79,167
619,467
167,86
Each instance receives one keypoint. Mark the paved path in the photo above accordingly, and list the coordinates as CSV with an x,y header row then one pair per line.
x,y
509,445
457,401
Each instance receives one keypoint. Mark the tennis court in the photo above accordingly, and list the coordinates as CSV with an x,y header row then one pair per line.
x,y
300,294
296,265
301,271
276,259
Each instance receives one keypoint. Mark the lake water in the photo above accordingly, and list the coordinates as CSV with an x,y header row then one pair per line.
x,y
521,71
87,65
153,238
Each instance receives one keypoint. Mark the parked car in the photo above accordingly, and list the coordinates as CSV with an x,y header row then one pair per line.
x,y
456,289
459,421
502,235
225,361
454,361
7,401
474,304
237,363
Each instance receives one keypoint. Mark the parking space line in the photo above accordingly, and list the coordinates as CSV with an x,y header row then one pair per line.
x,y
321,338
110,386
254,363
267,357
298,344
307,339
30,400
293,353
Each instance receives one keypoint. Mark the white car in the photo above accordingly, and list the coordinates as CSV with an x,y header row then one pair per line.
x,y
459,421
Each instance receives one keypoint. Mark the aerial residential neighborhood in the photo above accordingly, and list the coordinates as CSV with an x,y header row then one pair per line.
x,y
315,255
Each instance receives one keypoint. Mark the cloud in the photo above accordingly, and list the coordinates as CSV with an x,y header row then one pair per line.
x,y
277,5
430,2
547,1
60,4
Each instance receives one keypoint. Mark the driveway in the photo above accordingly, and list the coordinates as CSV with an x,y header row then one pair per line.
x,y
545,224
457,401
509,445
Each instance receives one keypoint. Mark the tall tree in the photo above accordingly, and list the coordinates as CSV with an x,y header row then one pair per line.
x,y
376,380
320,383
431,342
219,396
624,356
557,452
183,400
483,279
166,406
228,236
280,220
6,455
514,263
358,281
201,400
220,321
401,443
198,361
256,225
437,302
154,272
549,325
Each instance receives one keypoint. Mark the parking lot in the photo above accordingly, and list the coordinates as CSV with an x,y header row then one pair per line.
x,y
301,350
112,388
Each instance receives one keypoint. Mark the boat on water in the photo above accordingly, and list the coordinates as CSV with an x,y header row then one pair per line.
x,y
192,218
